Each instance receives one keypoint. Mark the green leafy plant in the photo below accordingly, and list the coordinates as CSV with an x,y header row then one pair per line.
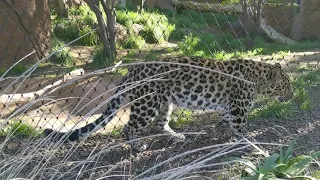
x,y
282,165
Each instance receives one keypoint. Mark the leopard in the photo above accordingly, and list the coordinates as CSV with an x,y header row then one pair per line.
x,y
154,87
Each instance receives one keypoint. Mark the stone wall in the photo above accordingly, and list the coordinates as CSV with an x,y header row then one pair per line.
x,y
25,26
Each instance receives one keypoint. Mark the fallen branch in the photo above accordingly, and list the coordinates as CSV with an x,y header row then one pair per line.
x,y
218,8
273,34
27,97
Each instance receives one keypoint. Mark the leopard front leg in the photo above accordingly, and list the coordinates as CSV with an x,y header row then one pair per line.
x,y
236,118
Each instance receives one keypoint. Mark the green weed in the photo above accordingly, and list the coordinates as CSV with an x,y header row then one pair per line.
x,y
151,56
116,132
122,71
316,174
15,71
180,118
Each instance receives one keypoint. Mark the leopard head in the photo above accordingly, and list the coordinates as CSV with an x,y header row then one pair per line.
x,y
278,84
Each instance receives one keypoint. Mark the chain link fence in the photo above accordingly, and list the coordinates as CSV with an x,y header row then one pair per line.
x,y
61,62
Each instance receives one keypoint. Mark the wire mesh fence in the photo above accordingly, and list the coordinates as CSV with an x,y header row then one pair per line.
x,y
64,65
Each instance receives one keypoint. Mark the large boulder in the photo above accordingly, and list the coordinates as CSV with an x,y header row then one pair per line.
x,y
25,26
310,10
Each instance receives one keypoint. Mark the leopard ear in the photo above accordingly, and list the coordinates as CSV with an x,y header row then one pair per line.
x,y
275,72
277,65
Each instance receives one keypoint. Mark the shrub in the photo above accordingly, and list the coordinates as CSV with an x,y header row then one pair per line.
x,y
156,27
83,20
134,42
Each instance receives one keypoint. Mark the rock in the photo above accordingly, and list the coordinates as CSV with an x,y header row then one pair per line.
x,y
121,32
25,26
137,28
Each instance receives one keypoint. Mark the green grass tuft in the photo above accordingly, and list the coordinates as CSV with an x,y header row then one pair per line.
x,y
17,70
273,108
20,130
63,57
101,58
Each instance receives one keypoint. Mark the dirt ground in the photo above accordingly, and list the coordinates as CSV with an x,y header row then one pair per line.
x,y
120,161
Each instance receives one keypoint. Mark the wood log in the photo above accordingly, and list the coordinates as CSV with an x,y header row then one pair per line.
x,y
206,7
27,97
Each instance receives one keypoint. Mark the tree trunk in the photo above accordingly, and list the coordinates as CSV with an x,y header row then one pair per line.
x,y
108,7
106,30
141,3
61,7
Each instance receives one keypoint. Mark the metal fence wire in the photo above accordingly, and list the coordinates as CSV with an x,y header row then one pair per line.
x,y
62,61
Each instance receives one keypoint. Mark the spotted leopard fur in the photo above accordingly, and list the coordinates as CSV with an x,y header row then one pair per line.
x,y
192,82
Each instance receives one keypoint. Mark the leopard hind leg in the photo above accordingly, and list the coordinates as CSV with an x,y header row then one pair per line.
x,y
163,119
143,112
